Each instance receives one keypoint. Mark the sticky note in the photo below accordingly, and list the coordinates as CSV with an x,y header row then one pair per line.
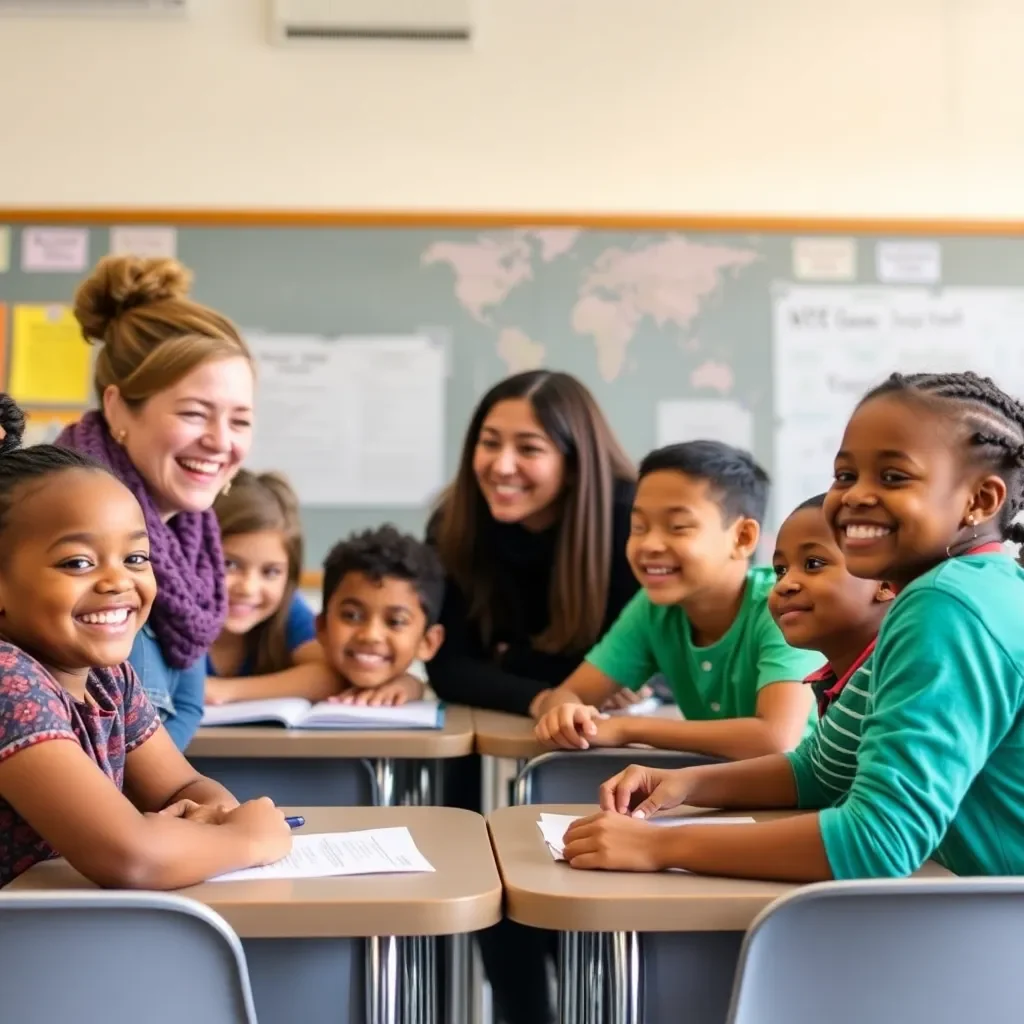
x,y
50,360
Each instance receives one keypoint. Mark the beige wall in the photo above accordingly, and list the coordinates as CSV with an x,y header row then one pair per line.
x,y
775,106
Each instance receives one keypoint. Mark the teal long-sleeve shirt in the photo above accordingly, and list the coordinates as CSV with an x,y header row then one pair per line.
x,y
940,763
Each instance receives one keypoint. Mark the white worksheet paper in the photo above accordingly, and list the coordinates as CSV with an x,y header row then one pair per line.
x,y
377,851
554,826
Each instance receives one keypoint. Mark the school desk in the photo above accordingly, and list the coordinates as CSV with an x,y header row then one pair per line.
x,y
304,939
651,947
333,768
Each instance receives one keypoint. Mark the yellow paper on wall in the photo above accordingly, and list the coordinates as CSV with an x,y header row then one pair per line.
x,y
50,360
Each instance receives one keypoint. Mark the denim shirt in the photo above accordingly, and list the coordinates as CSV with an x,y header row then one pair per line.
x,y
177,694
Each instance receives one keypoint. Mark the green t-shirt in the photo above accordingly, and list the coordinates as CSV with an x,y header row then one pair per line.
x,y
719,681
940,755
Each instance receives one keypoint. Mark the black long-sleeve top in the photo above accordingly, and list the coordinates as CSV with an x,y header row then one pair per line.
x,y
465,671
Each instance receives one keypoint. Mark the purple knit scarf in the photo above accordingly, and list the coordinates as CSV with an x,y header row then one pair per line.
x,y
191,600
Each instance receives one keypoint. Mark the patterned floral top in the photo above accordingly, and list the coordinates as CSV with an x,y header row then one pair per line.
x,y
35,708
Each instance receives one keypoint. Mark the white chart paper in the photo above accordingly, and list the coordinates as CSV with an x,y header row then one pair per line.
x,y
142,240
54,250
710,419
378,851
832,344
917,262
352,421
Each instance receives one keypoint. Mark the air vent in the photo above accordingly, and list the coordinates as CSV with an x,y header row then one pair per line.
x,y
86,8
418,21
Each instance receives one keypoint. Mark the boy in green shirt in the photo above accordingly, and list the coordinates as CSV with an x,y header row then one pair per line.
x,y
702,621
929,483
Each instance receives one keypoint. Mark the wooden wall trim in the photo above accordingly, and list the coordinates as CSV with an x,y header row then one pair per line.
x,y
725,223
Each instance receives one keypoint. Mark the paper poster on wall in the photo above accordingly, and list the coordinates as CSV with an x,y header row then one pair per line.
x,y
50,360
3,346
54,250
143,240
352,421
5,249
832,344
712,419
824,259
908,262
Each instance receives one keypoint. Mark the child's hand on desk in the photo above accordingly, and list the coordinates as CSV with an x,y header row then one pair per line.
x,y
265,826
570,726
398,691
611,842
203,814
641,791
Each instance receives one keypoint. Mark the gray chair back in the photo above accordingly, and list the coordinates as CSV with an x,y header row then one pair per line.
x,y
98,957
934,951
575,776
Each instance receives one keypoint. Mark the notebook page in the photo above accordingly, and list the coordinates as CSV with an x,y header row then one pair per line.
x,y
377,851
286,710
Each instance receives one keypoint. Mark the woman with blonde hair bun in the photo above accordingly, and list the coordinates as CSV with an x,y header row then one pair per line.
x,y
174,381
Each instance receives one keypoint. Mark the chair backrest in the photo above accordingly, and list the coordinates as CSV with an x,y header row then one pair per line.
x,y
934,951
98,957
575,776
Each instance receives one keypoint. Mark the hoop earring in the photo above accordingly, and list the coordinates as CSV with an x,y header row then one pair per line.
x,y
970,541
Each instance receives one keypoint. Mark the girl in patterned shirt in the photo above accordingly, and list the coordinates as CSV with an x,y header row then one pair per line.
x,y
113,796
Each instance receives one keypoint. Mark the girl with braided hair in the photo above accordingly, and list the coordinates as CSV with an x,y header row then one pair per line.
x,y
928,483
87,770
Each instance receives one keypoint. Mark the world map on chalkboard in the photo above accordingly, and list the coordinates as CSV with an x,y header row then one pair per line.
x,y
664,282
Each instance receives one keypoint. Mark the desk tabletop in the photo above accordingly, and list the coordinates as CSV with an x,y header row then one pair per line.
x,y
454,740
545,893
499,734
462,895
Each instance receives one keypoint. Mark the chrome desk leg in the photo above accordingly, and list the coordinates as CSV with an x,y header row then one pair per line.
x,y
488,784
420,988
626,979
481,1001
430,969
593,959
384,772
569,979
382,969
458,979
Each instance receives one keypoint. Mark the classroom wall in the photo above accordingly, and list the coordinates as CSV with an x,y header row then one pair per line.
x,y
771,106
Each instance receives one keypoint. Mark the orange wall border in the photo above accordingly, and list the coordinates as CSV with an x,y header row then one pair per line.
x,y
725,223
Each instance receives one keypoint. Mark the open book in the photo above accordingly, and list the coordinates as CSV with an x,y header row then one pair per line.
x,y
297,713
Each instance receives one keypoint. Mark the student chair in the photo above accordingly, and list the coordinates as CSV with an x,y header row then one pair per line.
x,y
575,776
119,958
940,951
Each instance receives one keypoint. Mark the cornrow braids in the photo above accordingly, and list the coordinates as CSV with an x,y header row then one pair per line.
x,y
20,465
995,425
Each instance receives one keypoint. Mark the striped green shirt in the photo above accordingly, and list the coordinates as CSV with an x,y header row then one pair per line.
x,y
826,761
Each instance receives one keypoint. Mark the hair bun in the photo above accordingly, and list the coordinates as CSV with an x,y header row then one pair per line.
x,y
121,283
12,422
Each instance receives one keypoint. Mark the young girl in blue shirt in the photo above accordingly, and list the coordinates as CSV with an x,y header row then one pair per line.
x,y
268,647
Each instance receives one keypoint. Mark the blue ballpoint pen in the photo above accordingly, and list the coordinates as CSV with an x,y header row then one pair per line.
x,y
295,822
